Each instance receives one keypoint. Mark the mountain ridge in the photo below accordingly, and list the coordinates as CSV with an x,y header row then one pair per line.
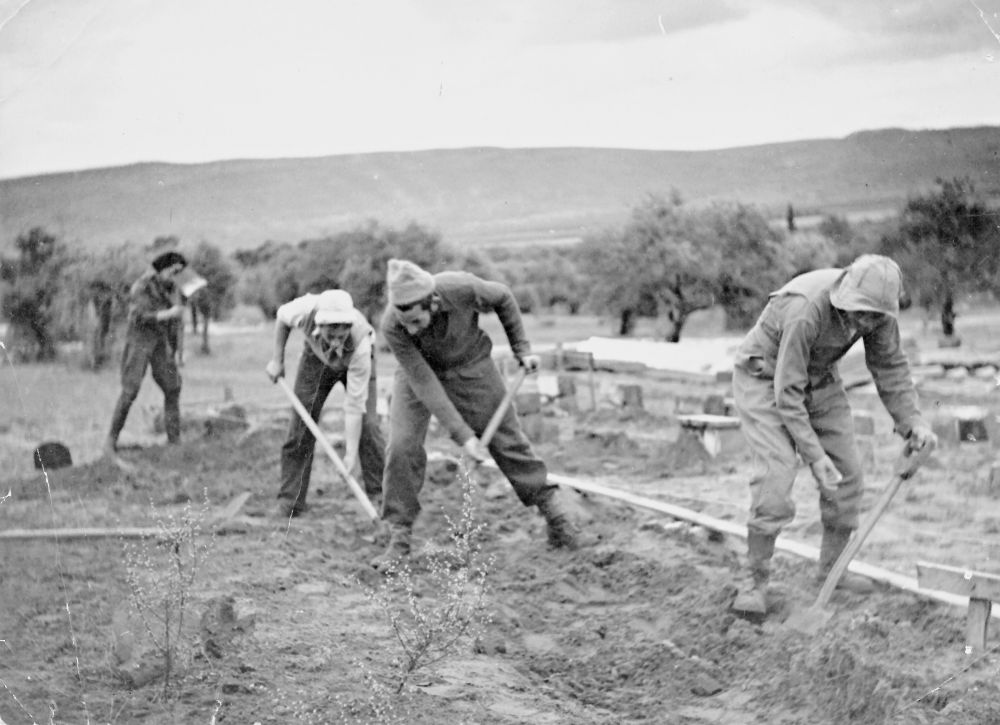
x,y
485,195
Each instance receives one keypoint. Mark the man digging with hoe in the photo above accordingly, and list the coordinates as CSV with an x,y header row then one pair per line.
x,y
340,348
791,403
446,370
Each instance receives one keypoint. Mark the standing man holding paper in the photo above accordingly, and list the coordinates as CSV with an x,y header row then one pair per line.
x,y
340,348
152,342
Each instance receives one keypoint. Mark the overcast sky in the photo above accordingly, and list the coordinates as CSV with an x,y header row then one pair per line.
x,y
90,83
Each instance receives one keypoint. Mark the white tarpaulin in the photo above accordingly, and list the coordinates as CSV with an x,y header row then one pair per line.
x,y
709,358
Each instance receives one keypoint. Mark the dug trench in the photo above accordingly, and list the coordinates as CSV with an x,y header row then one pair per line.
x,y
635,627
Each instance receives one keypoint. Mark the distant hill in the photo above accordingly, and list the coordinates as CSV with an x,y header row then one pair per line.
x,y
485,195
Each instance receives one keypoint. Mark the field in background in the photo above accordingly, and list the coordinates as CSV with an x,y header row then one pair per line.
x,y
63,402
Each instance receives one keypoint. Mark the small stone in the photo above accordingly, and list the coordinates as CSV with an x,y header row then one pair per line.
x,y
706,686
313,588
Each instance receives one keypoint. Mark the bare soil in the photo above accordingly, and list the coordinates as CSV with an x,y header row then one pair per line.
x,y
634,627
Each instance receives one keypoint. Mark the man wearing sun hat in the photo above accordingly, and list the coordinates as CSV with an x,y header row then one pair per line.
x,y
339,349
792,404
446,370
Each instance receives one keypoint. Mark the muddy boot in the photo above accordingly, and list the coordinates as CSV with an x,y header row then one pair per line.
x,y
563,532
834,541
397,549
752,595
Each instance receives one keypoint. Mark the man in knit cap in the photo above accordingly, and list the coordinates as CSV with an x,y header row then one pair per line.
x,y
792,404
340,348
152,342
446,370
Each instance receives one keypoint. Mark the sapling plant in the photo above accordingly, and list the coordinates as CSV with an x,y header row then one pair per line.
x,y
161,573
434,611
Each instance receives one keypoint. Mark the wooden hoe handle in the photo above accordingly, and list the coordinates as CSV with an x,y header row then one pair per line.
x,y
908,463
339,464
491,427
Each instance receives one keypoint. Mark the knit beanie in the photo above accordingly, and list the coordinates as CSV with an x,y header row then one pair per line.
x,y
407,282
872,283
168,259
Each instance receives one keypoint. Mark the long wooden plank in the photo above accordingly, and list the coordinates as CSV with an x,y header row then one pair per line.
x,y
964,582
84,533
217,518
875,573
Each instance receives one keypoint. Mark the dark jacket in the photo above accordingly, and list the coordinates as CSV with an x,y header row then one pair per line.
x,y
148,295
453,341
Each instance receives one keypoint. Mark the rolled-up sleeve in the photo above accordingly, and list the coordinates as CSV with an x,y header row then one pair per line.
x,y
359,373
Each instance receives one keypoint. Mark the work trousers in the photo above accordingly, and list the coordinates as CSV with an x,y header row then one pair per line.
x,y
313,383
476,391
154,352
775,460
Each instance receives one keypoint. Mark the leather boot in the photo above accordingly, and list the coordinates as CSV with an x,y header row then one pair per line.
x,y
752,595
562,530
833,543
397,549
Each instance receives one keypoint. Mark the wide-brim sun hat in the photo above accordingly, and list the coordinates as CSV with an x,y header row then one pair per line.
x,y
333,307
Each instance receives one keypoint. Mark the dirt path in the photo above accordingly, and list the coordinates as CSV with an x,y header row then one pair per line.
x,y
635,628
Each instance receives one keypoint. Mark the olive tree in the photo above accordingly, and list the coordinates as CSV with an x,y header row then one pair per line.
x,y
541,276
354,260
369,249
29,296
659,261
948,242
97,289
216,297
753,259
268,276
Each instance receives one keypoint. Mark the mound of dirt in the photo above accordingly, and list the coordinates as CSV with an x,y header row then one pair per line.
x,y
635,627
